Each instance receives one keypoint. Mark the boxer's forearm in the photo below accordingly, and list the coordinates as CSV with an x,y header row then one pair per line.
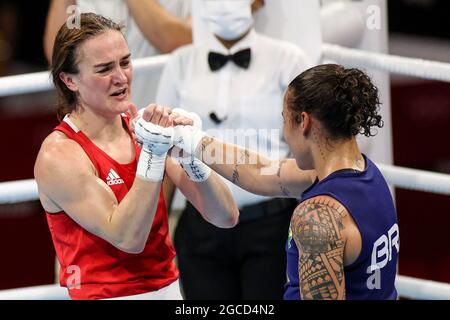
x,y
247,169
215,202
210,196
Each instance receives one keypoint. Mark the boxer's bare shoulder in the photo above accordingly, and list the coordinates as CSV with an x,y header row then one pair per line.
x,y
58,148
58,158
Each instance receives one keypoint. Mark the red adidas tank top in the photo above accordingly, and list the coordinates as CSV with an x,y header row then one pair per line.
x,y
92,268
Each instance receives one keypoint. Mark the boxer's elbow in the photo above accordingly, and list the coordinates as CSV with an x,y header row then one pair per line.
x,y
128,241
132,247
232,220
228,219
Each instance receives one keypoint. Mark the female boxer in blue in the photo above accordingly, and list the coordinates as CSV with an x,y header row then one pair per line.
x,y
344,239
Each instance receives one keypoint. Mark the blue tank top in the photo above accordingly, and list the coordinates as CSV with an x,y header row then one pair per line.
x,y
367,198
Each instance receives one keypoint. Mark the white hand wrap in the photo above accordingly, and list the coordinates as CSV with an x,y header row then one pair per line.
x,y
188,138
198,123
156,141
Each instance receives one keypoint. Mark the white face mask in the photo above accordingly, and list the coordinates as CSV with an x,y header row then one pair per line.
x,y
228,19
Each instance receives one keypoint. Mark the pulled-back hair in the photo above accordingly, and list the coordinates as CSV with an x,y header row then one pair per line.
x,y
345,101
66,54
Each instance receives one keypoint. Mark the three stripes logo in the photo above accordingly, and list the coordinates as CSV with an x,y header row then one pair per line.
x,y
113,178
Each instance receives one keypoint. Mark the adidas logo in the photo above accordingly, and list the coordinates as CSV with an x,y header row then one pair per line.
x,y
113,178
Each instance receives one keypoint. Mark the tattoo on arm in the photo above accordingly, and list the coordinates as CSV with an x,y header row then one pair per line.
x,y
282,162
207,151
235,177
285,191
317,229
244,156
206,141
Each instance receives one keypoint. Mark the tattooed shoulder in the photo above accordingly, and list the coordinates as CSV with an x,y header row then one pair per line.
x,y
317,226
320,205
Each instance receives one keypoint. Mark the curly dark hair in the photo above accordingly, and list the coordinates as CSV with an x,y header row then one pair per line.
x,y
345,101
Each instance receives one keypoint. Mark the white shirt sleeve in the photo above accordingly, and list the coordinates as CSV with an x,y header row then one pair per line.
x,y
179,8
295,62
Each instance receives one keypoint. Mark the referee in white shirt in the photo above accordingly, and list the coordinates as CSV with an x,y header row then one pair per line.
x,y
235,83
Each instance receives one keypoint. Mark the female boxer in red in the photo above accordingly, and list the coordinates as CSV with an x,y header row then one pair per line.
x,y
101,190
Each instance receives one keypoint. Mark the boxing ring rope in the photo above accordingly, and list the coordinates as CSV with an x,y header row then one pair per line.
x,y
407,287
41,81
413,179
413,288
18,191
432,70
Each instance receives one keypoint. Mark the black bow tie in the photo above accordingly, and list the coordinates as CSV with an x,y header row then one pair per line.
x,y
218,60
